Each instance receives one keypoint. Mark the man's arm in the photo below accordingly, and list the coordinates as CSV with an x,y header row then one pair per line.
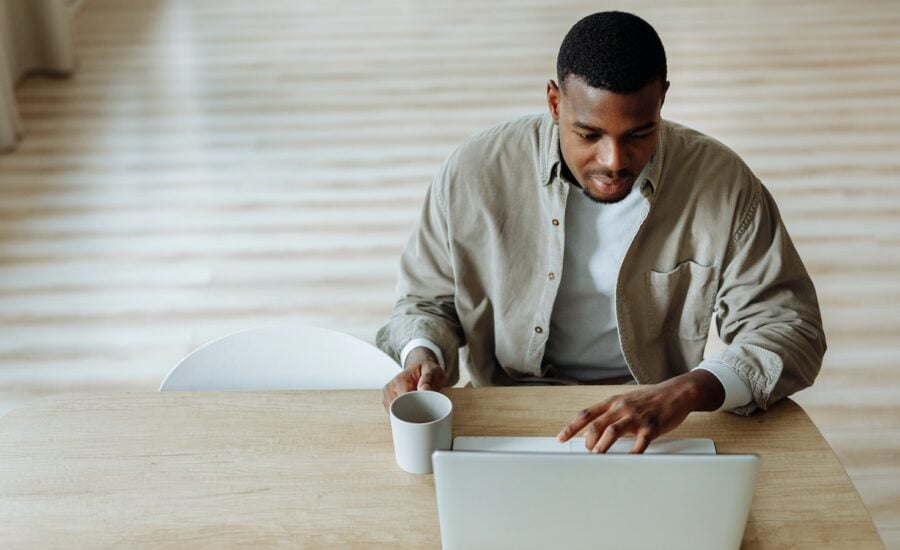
x,y
768,314
647,412
737,390
767,311
426,290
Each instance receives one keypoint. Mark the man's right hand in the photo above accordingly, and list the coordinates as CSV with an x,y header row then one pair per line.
x,y
422,372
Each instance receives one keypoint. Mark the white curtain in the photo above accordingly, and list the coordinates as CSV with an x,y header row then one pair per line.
x,y
35,37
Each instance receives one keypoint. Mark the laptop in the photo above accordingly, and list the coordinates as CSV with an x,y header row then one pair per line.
x,y
496,493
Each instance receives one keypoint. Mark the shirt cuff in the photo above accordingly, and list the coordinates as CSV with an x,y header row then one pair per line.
x,y
737,390
421,343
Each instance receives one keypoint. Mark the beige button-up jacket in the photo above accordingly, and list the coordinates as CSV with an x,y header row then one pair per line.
x,y
479,274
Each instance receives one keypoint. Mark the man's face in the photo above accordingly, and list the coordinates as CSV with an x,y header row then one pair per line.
x,y
605,138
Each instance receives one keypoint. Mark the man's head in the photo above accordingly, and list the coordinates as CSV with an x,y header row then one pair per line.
x,y
612,84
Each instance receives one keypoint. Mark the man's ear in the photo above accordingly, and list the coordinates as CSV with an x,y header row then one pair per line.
x,y
553,97
664,90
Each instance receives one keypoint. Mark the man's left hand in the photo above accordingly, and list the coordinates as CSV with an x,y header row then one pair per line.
x,y
646,413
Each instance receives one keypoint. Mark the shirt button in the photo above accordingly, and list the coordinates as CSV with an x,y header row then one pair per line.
x,y
538,330
555,221
551,276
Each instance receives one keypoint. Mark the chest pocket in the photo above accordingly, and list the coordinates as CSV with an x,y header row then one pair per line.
x,y
680,301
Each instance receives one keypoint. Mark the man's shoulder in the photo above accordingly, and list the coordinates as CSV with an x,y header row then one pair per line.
x,y
683,142
506,153
701,160
523,127
517,139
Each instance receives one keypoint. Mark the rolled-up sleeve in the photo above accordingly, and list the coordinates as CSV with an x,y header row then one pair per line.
x,y
766,307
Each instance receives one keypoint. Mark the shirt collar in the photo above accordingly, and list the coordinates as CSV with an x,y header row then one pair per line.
x,y
550,157
654,177
549,150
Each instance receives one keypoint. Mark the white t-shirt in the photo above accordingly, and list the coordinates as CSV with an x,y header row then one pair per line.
x,y
583,343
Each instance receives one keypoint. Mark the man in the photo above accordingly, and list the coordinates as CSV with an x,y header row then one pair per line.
x,y
593,245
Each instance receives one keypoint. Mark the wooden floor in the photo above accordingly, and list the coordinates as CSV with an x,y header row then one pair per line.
x,y
221,164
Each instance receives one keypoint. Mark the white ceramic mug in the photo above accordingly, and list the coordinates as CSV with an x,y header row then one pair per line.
x,y
421,423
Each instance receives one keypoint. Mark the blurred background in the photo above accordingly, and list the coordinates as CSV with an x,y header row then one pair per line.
x,y
213,165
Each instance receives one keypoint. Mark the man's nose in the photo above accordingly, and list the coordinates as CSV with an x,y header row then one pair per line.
x,y
612,155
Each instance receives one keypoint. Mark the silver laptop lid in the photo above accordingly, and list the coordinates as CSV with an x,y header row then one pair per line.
x,y
558,500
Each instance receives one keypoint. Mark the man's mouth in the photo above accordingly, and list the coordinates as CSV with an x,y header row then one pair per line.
x,y
610,185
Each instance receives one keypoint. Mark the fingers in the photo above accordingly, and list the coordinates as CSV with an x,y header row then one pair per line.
x,y
404,382
611,434
425,377
642,441
431,378
575,426
388,394
608,429
386,398
617,422
427,380
584,417
595,430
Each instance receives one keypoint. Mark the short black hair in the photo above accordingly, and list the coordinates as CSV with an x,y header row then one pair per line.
x,y
614,51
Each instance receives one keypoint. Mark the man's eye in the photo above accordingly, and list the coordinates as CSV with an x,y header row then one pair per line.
x,y
586,136
640,136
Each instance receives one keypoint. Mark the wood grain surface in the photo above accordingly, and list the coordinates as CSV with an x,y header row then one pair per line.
x,y
317,469
221,164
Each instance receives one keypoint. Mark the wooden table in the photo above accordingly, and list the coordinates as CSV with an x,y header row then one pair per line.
x,y
316,468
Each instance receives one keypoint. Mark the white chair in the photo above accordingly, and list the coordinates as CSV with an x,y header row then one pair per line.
x,y
283,358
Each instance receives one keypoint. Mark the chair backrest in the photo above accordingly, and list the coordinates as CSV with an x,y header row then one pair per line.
x,y
283,358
